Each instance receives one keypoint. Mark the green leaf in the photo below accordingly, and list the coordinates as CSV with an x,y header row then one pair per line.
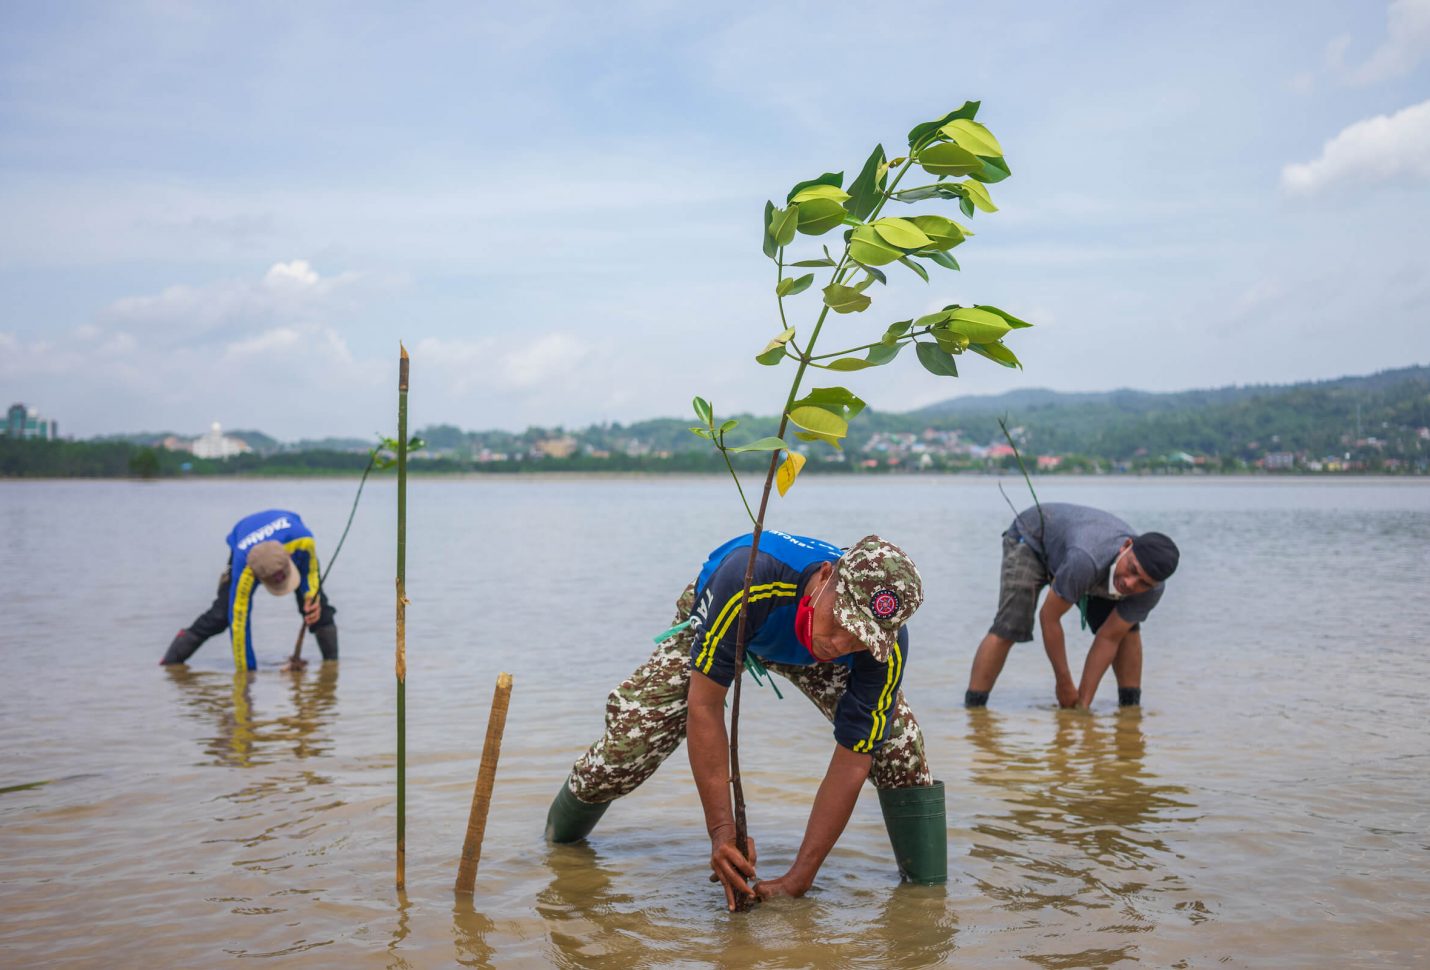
x,y
789,287
965,205
867,247
942,233
916,268
769,243
902,233
954,343
803,263
774,351
973,136
819,421
938,190
936,360
942,258
847,364
877,274
992,170
998,353
931,319
841,400
845,299
702,432
883,353
764,444
820,191
727,425
1013,321
782,225
878,355
820,215
979,326
896,330
835,179
978,195
946,158
702,410
920,132
865,190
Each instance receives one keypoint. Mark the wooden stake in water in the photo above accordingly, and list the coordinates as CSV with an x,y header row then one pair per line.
x,y
482,794
402,620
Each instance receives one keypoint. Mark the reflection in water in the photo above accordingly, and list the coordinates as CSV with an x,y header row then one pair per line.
x,y
587,920
396,960
1080,827
470,929
243,740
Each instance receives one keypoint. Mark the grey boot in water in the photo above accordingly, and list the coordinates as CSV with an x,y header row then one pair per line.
x,y
918,831
182,648
570,819
327,637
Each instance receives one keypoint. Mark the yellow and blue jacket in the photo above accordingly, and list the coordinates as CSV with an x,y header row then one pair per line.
x,y
278,525
783,566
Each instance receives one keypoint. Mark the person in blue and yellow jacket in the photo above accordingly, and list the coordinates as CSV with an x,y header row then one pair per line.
x,y
276,549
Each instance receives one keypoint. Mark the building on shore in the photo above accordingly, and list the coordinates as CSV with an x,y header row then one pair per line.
x,y
23,422
216,444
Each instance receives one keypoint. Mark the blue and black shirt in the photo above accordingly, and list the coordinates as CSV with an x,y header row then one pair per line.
x,y
278,525
783,567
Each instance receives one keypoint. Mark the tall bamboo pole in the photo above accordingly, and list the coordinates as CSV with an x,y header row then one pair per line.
x,y
402,620
482,793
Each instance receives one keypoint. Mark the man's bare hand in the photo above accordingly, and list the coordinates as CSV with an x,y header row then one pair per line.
x,y
1067,693
783,886
732,869
312,609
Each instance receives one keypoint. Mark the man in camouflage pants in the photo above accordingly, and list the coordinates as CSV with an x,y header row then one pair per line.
x,y
830,623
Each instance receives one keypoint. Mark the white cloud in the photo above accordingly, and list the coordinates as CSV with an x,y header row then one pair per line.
x,y
1407,41
1380,149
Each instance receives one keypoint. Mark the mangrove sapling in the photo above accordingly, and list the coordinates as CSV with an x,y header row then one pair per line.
x,y
951,147
377,457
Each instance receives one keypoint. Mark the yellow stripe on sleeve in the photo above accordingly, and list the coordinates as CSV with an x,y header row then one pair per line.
x,y
706,658
306,544
880,715
238,621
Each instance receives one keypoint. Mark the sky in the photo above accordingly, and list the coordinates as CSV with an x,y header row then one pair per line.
x,y
234,212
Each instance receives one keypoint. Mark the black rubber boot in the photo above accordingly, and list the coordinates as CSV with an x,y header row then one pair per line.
x,y
918,831
1129,696
182,648
327,637
975,698
569,819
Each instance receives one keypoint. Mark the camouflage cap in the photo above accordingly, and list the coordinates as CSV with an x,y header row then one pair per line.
x,y
879,588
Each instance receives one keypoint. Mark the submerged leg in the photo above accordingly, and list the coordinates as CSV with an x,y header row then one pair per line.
x,y
645,723
210,622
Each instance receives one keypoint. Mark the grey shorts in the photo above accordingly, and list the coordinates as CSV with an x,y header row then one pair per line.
x,y
1022,579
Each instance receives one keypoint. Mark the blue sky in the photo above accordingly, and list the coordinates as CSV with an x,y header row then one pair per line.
x,y
233,212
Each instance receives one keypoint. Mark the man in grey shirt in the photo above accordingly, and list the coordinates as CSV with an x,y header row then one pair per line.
x,y
1093,560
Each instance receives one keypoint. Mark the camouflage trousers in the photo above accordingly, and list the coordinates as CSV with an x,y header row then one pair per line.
x,y
645,721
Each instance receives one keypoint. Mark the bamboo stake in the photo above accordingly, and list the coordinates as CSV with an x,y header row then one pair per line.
x,y
402,620
482,793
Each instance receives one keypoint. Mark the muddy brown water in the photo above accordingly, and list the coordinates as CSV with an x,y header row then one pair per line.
x,y
1266,808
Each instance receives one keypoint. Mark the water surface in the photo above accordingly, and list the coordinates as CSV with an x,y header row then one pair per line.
x,y
1266,807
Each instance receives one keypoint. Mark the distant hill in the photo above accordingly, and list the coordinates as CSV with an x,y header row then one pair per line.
x,y
1378,422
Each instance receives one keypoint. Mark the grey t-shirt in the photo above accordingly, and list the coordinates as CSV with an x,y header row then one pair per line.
x,y
1078,545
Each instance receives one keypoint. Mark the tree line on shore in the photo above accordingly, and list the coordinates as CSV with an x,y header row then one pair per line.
x,y
1379,423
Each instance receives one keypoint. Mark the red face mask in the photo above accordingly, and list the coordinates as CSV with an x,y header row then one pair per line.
x,y
804,623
